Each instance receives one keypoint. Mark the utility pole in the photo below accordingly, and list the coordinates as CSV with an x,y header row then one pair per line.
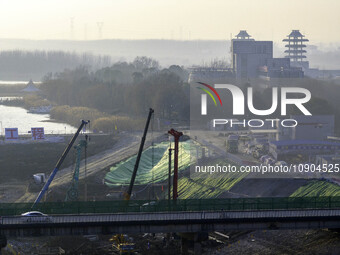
x,y
72,28
100,29
176,135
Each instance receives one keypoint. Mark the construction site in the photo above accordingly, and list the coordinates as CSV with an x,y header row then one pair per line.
x,y
241,156
145,170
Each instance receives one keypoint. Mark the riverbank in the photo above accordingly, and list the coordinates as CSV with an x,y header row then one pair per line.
x,y
18,117
100,122
11,90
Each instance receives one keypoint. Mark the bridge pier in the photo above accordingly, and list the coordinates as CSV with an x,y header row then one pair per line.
x,y
3,242
191,242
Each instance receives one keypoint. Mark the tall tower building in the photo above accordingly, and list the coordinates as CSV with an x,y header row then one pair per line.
x,y
296,49
252,59
247,55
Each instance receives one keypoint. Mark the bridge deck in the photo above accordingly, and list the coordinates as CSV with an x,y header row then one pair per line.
x,y
164,222
229,204
126,218
110,217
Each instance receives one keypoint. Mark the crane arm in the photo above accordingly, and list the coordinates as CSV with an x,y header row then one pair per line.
x,y
60,161
72,192
134,173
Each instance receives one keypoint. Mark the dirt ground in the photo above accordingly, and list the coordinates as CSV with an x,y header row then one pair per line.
x,y
93,245
272,242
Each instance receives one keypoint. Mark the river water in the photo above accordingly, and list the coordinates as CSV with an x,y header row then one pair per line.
x,y
16,117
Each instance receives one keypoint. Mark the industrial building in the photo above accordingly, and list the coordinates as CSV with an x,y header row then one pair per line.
x,y
306,147
309,137
252,59
209,74
327,159
316,127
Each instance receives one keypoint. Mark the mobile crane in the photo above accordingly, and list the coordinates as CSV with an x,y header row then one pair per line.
x,y
127,195
60,161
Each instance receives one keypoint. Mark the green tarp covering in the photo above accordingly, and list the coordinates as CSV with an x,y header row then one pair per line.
x,y
153,166
317,188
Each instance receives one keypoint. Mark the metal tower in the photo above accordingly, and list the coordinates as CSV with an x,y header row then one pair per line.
x,y
100,29
295,48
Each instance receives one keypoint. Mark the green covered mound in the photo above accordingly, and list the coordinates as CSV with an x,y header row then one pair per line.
x,y
153,166
209,186
316,189
195,188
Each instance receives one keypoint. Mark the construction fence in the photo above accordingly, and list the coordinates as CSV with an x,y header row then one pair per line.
x,y
121,206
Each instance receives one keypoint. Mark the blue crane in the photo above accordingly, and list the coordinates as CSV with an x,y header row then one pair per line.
x,y
72,192
60,161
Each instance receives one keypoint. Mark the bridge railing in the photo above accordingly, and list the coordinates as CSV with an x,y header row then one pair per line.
x,y
227,204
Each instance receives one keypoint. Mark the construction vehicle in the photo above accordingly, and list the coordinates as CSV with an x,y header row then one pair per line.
x,y
11,249
122,244
72,192
59,163
36,182
232,143
127,195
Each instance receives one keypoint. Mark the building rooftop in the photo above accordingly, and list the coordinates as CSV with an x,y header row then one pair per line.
x,y
303,142
30,87
243,35
335,157
296,33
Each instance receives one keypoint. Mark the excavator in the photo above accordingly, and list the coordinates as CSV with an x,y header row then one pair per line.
x,y
122,244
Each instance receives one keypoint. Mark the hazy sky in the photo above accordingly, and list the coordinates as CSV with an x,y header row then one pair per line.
x,y
169,19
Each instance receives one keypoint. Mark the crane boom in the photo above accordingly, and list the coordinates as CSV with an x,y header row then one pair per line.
x,y
134,173
72,192
60,161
